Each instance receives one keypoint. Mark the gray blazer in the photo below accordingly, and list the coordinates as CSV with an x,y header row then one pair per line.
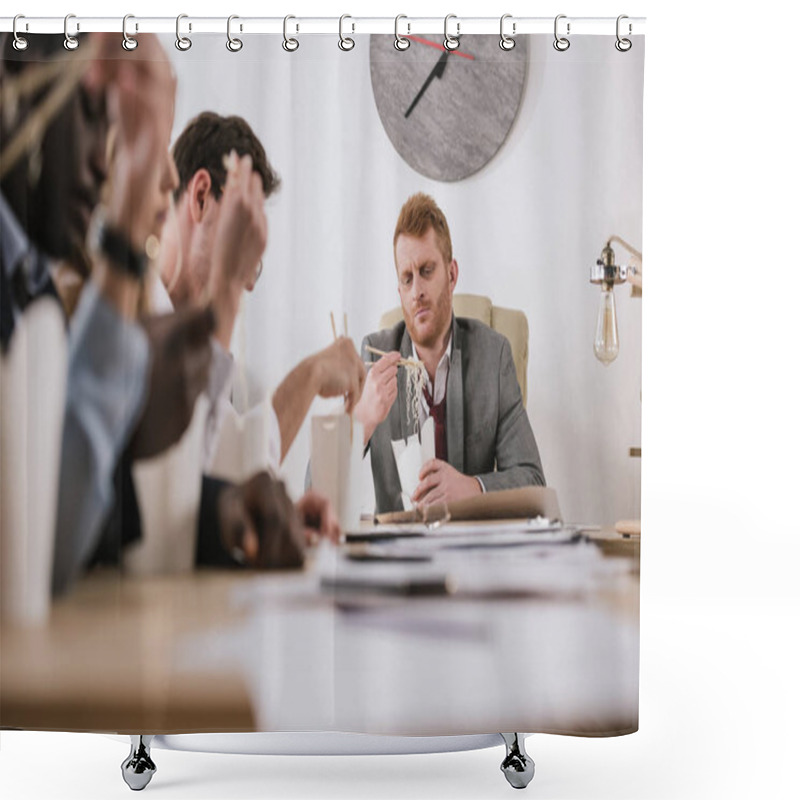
x,y
488,431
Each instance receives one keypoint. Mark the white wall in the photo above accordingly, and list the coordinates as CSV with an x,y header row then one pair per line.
x,y
525,230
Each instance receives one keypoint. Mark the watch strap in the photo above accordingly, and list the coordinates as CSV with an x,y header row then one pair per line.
x,y
122,255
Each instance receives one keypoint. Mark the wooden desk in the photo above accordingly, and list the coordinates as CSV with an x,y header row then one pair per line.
x,y
109,658
106,661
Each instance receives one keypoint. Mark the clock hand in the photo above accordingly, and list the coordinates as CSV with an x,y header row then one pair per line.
x,y
438,46
436,72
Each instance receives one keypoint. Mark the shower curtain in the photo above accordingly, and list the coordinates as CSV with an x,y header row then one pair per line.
x,y
428,626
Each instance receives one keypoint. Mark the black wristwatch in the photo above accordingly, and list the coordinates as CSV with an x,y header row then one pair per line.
x,y
117,248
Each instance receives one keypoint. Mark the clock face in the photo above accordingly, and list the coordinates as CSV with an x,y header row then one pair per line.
x,y
448,113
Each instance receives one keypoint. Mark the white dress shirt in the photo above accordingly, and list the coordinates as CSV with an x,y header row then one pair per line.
x,y
439,385
230,415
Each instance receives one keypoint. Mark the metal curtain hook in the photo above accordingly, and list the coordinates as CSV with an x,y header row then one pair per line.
x,y
290,44
623,45
451,42
561,43
182,42
20,42
70,42
234,45
507,42
400,42
128,42
345,42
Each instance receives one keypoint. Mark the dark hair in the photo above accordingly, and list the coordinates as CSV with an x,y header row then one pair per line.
x,y
207,139
41,46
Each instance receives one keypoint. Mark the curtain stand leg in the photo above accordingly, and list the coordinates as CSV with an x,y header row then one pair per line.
x,y
517,766
138,768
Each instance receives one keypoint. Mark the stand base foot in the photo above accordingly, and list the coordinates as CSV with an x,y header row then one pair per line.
x,y
517,766
138,768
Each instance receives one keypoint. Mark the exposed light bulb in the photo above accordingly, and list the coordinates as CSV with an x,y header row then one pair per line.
x,y
606,337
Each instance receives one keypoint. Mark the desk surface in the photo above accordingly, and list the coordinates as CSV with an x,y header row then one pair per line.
x,y
105,661
108,660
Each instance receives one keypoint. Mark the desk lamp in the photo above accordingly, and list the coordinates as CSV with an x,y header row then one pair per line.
x,y
608,274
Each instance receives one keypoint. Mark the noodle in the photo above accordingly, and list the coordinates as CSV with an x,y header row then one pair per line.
x,y
415,383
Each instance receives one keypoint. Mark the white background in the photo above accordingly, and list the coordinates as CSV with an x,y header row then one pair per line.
x,y
719,691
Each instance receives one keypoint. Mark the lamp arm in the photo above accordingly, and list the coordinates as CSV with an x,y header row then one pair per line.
x,y
630,248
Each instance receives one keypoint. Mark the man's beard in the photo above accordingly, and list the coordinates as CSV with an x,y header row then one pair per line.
x,y
442,312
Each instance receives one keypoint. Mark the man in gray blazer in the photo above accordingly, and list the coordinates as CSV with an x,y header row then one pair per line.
x,y
484,440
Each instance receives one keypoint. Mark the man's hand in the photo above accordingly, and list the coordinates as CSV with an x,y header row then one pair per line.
x,y
180,347
380,391
441,483
239,243
338,370
318,518
259,524
140,91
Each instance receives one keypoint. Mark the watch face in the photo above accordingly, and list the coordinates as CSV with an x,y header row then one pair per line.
x,y
448,112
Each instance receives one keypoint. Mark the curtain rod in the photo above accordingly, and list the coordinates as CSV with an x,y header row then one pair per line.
x,y
327,25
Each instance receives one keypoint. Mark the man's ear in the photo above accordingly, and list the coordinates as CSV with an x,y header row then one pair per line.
x,y
453,273
199,192
397,275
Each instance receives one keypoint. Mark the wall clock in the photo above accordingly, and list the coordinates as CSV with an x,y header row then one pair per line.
x,y
447,113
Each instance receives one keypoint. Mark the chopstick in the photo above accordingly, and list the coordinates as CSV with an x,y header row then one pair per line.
x,y
333,325
335,338
404,362
68,73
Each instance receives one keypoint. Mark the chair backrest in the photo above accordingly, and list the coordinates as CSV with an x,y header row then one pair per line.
x,y
513,324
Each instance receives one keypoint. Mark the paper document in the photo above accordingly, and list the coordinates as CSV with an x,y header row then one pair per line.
x,y
523,502
483,528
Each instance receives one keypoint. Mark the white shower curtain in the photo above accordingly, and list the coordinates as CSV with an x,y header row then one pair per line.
x,y
534,156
